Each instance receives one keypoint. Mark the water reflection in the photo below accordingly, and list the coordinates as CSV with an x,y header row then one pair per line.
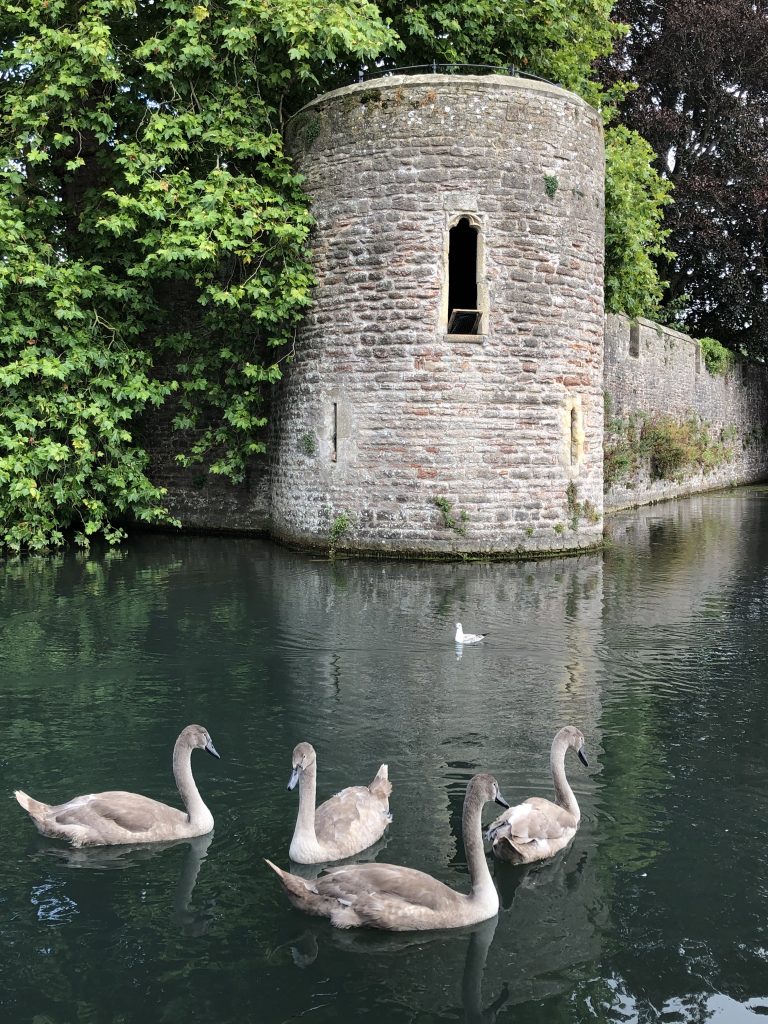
x,y
555,914
656,650
120,858
306,948
472,978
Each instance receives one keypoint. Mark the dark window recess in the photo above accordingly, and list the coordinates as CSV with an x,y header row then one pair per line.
x,y
574,438
334,432
634,340
463,314
464,321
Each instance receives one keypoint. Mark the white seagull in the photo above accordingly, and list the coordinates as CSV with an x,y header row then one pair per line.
x,y
468,638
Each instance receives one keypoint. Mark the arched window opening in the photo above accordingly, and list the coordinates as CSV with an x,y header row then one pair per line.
x,y
574,437
463,314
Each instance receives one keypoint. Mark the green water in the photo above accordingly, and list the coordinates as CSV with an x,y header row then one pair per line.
x,y
657,649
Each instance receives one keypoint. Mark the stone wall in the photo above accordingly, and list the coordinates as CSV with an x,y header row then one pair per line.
x,y
384,416
199,500
384,413
653,371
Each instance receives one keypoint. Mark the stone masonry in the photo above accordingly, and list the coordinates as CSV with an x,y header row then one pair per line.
x,y
384,416
391,435
656,371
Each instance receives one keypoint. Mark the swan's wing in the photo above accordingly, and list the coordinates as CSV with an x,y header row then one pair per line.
x,y
535,819
351,812
378,896
338,815
390,886
381,787
553,820
129,811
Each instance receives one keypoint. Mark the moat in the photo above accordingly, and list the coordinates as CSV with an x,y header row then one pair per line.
x,y
656,648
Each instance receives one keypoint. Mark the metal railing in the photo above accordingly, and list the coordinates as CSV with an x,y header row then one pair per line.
x,y
364,74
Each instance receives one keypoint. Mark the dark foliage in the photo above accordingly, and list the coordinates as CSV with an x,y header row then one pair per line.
x,y
701,67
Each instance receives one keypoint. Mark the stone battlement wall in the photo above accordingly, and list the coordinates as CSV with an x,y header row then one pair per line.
x,y
654,372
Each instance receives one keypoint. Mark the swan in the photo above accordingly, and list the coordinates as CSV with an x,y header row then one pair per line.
x,y
538,828
346,824
116,817
401,899
468,638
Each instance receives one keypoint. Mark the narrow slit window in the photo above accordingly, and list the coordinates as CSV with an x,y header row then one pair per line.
x,y
634,340
464,316
334,431
574,437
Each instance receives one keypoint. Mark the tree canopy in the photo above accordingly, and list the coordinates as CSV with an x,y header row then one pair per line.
x,y
556,39
154,238
701,70
156,234
561,41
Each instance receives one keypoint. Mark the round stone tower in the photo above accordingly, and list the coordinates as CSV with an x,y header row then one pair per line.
x,y
446,391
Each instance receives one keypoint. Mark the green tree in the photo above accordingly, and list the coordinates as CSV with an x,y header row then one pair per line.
x,y
561,41
635,198
155,233
556,39
154,238
705,114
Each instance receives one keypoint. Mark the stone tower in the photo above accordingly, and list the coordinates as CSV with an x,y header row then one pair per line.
x,y
446,392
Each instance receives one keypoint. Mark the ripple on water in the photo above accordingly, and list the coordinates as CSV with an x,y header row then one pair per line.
x,y
51,904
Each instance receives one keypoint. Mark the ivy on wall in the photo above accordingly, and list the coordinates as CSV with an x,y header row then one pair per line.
x,y
154,239
663,447
155,235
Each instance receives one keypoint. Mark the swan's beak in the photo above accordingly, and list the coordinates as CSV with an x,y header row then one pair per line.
x,y
210,749
583,757
294,778
499,799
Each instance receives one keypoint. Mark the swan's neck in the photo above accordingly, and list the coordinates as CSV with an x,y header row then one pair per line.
x,y
471,826
305,821
198,813
563,792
